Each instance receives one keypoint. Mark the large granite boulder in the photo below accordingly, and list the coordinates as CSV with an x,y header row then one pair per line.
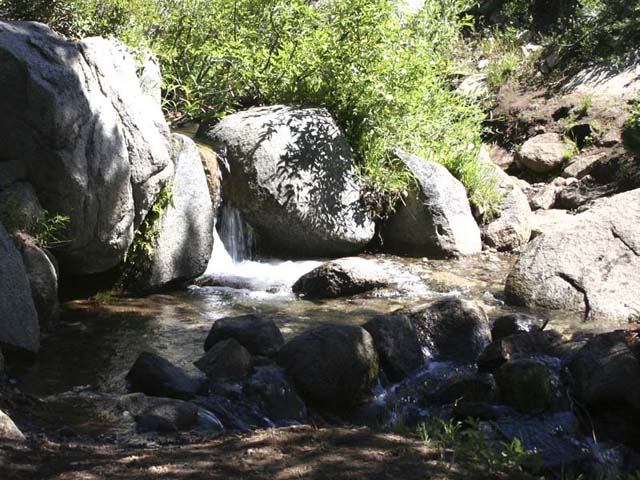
x,y
184,241
290,173
589,264
435,219
342,277
452,329
332,366
18,316
95,148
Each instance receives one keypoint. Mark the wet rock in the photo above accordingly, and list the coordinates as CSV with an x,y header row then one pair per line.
x,y
234,414
274,396
512,229
589,264
183,245
95,149
8,430
332,366
258,335
226,360
157,377
543,153
515,323
525,384
18,316
290,173
606,380
159,414
465,388
339,278
476,410
396,341
435,219
43,279
520,344
452,329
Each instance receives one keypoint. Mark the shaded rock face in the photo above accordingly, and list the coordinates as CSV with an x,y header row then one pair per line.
x,y
606,378
525,384
589,264
8,430
43,279
515,323
226,360
185,233
157,377
260,336
93,146
543,153
512,229
18,316
153,414
339,278
436,219
19,205
289,171
397,344
452,329
513,346
465,388
333,367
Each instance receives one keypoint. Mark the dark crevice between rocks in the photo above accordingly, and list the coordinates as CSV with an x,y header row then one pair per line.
x,y
579,288
624,242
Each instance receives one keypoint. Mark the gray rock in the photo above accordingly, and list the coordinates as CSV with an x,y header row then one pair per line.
x,y
589,264
606,380
226,360
332,366
290,173
159,414
606,81
474,86
258,335
397,344
20,209
43,279
94,147
185,233
18,316
150,77
525,384
543,153
339,278
452,329
544,221
580,165
512,229
435,220
542,196
515,323
157,377
517,345
465,388
8,430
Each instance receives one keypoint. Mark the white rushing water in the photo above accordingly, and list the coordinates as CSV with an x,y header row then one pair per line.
x,y
232,263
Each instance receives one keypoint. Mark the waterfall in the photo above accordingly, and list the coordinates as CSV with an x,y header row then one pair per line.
x,y
232,263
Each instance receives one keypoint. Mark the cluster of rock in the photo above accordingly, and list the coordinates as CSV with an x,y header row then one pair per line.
x,y
85,138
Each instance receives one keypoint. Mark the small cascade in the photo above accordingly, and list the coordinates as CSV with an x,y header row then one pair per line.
x,y
232,263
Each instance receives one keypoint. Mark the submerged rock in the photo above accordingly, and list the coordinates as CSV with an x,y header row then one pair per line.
x,y
93,146
543,153
290,173
452,329
18,316
226,360
8,430
339,278
588,264
184,241
259,335
332,366
157,377
435,220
